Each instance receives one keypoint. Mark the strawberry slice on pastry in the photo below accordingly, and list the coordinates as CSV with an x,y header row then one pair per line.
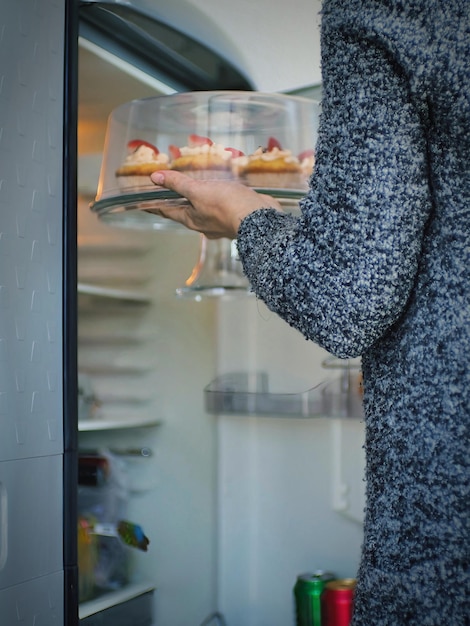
x,y
273,143
198,140
133,145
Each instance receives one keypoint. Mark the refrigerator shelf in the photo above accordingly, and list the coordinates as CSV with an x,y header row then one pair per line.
x,y
115,598
117,422
98,247
113,294
248,393
113,369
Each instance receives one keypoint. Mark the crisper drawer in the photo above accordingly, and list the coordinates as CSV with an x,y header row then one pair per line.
x,y
133,612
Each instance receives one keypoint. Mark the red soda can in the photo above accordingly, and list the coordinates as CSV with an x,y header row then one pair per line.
x,y
337,602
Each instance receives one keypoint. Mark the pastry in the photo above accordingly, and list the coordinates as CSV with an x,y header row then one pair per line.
x,y
270,167
203,159
143,159
307,163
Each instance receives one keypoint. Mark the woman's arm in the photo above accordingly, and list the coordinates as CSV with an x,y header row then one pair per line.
x,y
342,273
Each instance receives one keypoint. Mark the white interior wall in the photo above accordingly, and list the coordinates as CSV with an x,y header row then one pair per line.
x,y
278,476
172,494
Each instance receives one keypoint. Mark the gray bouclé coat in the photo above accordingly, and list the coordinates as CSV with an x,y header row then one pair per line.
x,y
378,265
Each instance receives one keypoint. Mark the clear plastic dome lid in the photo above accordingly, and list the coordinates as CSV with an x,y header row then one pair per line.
x,y
265,141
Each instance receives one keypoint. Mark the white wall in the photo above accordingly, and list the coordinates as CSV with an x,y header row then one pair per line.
x,y
279,477
172,493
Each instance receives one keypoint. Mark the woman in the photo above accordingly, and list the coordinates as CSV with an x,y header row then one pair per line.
x,y
378,266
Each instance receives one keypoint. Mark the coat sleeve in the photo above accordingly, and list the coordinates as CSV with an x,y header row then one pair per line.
x,y
342,273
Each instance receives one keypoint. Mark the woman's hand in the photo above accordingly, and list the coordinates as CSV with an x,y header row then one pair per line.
x,y
216,208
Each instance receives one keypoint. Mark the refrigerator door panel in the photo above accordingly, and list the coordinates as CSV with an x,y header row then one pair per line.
x,y
29,509
33,371
30,434
30,240
38,601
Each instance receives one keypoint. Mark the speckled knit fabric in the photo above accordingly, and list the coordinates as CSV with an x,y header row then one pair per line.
x,y
378,265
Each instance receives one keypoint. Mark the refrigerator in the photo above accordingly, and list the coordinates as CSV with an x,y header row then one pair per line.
x,y
239,488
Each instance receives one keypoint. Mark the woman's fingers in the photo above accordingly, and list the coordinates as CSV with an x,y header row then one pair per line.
x,y
175,181
216,208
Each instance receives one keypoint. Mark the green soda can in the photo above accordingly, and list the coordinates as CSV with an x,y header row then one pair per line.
x,y
307,594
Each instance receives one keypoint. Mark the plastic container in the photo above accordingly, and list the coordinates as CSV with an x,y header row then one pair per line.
x,y
248,393
107,557
263,140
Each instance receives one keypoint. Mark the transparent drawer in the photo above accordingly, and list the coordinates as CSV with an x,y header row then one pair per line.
x,y
250,393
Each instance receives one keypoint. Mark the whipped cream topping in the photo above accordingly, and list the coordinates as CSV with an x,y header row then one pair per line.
x,y
267,155
216,149
144,154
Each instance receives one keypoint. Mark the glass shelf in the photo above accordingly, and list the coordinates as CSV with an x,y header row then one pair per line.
x,y
114,294
99,247
249,394
117,422
114,598
112,369
343,397
341,402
